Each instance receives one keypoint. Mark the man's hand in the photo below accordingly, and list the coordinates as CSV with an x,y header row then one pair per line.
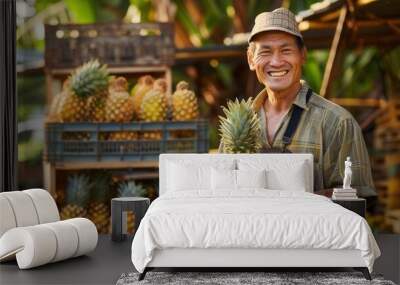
x,y
325,192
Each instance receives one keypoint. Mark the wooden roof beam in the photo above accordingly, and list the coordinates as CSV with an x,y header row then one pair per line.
x,y
336,52
359,102
315,25
240,20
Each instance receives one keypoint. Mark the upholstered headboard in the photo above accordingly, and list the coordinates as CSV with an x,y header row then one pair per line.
x,y
267,159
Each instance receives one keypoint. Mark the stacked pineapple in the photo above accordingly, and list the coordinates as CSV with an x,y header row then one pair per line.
x,y
184,103
90,94
131,189
83,93
120,108
77,196
144,85
154,107
99,209
184,108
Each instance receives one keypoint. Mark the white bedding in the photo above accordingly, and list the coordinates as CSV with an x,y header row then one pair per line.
x,y
253,218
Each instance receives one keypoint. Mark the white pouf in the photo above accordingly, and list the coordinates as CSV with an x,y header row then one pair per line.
x,y
31,232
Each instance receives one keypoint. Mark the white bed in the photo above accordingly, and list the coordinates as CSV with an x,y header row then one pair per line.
x,y
251,226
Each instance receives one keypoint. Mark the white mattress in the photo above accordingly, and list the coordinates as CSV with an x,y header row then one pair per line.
x,y
257,219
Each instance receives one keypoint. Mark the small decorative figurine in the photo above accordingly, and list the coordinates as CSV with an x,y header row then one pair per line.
x,y
346,192
347,174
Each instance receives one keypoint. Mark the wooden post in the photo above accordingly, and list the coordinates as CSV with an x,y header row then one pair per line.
x,y
336,53
49,88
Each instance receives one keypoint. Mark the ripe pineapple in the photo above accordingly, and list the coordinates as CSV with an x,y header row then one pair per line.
x,y
131,189
145,84
184,107
88,80
154,107
97,107
75,136
119,108
123,136
77,196
184,103
99,209
240,131
54,111
119,105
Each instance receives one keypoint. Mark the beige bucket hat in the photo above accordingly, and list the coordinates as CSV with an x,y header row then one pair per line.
x,y
280,19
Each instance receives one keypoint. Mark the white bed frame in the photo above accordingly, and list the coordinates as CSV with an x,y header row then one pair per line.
x,y
250,258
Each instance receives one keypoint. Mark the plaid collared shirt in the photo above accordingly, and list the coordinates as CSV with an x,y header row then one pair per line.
x,y
330,133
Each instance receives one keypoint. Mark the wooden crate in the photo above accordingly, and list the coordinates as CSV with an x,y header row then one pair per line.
x,y
94,148
387,139
378,167
53,171
129,50
393,218
391,115
114,44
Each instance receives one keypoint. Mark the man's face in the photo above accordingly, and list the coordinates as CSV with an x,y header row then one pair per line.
x,y
277,60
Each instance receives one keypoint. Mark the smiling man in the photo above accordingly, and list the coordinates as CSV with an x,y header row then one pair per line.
x,y
293,117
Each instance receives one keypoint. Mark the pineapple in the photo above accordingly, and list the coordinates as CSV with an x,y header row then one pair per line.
x,y
154,107
99,209
123,136
75,136
88,80
77,196
240,131
97,107
119,108
54,112
145,84
119,105
131,189
184,107
184,103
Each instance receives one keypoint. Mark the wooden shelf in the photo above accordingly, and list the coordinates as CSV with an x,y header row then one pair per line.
x,y
116,70
105,165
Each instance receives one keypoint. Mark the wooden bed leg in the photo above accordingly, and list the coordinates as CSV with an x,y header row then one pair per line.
x,y
143,274
364,271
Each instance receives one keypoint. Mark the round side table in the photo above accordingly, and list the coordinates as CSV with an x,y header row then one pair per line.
x,y
119,207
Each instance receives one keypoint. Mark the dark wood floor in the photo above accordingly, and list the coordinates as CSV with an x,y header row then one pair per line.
x,y
103,266
111,259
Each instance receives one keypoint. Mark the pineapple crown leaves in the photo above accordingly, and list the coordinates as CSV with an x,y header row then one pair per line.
x,y
131,189
240,130
101,187
146,79
182,85
118,84
89,79
182,89
160,85
78,190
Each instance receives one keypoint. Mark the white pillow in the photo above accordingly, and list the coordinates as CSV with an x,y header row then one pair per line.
x,y
281,174
223,179
226,179
251,178
293,179
183,178
193,174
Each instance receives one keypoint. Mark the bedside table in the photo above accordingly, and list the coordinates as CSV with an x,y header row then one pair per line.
x,y
137,205
358,205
